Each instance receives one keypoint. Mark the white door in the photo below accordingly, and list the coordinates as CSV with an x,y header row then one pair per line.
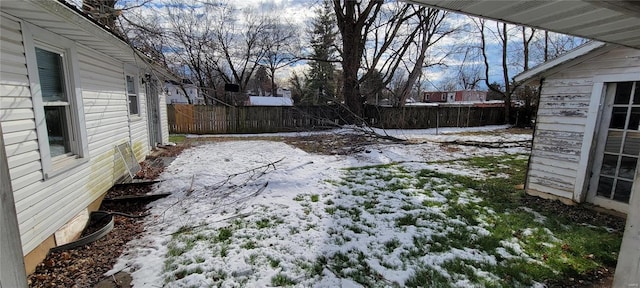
x,y
618,147
153,110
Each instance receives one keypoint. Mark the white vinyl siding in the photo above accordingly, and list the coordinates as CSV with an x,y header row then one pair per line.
x,y
16,111
164,121
44,206
557,160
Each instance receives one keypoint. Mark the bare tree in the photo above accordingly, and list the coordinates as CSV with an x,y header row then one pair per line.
x,y
431,30
281,47
396,36
502,36
192,46
549,45
354,18
241,44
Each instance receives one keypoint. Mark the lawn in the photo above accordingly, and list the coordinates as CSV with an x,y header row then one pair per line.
x,y
264,213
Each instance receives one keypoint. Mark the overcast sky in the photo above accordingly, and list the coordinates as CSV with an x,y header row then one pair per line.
x,y
301,11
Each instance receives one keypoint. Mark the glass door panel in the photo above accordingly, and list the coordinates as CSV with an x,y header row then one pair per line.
x,y
617,160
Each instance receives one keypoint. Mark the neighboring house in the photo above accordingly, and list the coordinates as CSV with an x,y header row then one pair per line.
x,y
70,91
269,101
434,96
455,96
470,96
280,92
176,92
283,98
586,143
283,92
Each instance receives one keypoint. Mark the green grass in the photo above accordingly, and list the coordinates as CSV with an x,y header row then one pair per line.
x,y
556,249
249,245
263,223
282,280
176,138
224,234
448,216
273,262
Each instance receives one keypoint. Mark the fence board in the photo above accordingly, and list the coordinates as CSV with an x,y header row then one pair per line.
x,y
199,119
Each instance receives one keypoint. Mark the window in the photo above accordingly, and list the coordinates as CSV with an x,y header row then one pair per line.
x,y
57,100
132,93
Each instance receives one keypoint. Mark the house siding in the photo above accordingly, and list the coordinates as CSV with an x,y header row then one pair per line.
x,y
561,124
164,120
43,206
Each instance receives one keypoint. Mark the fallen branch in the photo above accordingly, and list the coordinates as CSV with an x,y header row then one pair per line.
x,y
252,170
506,144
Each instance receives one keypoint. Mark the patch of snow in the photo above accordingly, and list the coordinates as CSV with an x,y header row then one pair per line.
x,y
539,218
284,209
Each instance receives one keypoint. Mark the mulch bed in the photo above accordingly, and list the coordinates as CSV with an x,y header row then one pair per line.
x,y
85,266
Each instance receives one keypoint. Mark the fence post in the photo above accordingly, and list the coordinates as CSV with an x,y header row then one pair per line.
x,y
437,118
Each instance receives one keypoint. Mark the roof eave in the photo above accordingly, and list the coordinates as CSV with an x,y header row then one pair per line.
x,y
73,15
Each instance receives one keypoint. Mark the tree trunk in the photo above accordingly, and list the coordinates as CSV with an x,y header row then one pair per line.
x,y
505,75
351,23
350,67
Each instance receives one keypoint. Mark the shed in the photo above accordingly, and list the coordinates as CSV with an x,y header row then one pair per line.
x,y
586,146
587,140
70,91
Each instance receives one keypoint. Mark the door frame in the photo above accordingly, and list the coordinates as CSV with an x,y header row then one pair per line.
x,y
593,136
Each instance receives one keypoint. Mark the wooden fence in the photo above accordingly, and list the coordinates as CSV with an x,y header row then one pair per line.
x,y
423,117
199,119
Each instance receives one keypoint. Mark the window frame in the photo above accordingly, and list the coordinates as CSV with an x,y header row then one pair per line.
x,y
130,71
34,36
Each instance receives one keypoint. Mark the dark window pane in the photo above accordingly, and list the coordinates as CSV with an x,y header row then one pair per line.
x,y
634,120
636,95
632,143
623,93
614,141
618,117
609,164
627,167
131,88
133,104
57,130
604,186
623,191
51,74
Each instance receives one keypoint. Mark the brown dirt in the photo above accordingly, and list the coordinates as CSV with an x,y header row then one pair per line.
x,y
333,144
84,266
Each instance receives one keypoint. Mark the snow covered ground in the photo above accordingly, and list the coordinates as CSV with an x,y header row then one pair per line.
x,y
260,213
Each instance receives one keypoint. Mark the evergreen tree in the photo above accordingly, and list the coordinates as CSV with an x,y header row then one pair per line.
x,y
321,84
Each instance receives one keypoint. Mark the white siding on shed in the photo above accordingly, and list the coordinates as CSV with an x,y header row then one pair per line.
x,y
561,124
